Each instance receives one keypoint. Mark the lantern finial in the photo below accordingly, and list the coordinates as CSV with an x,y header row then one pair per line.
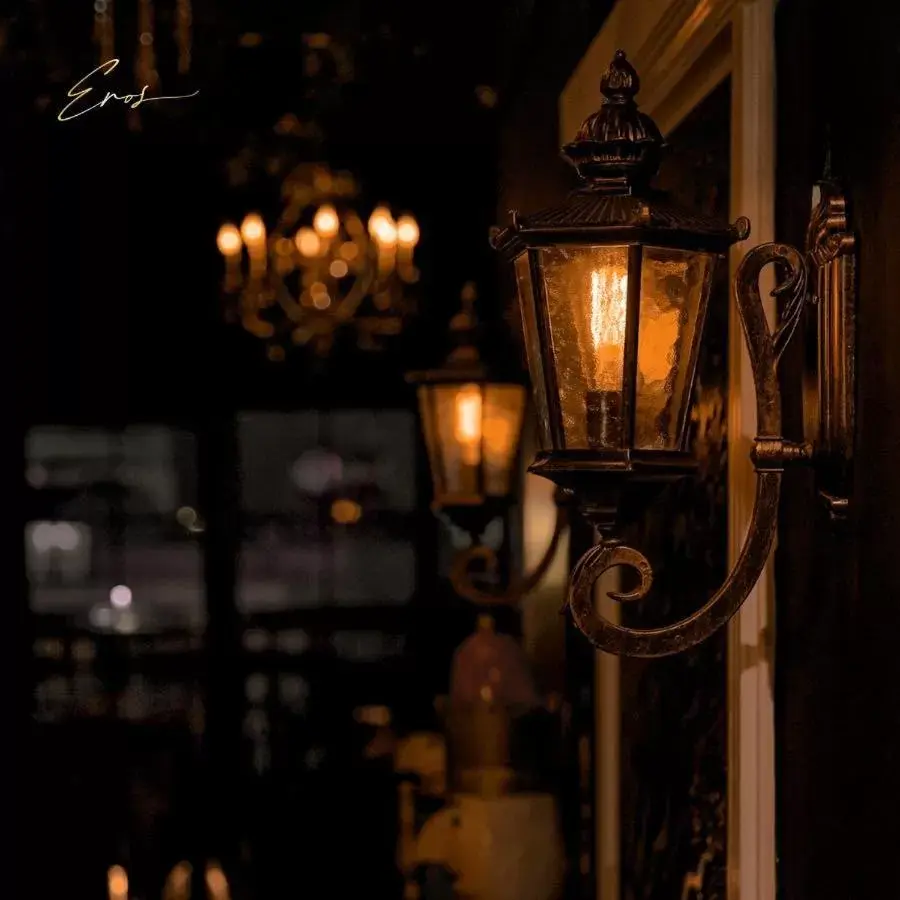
x,y
620,82
618,146
464,327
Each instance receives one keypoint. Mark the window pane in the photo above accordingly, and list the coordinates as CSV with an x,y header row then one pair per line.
x,y
328,502
112,541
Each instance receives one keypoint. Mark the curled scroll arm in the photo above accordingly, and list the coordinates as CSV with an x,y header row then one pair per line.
x,y
461,573
770,455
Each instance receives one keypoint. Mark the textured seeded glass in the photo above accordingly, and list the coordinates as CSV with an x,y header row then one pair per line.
x,y
458,430
586,294
472,435
674,289
504,406
533,348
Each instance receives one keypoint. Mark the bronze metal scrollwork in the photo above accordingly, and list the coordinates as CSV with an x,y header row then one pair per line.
x,y
461,572
831,246
771,454
594,274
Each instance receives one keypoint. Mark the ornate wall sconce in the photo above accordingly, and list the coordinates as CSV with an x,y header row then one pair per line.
x,y
613,287
472,421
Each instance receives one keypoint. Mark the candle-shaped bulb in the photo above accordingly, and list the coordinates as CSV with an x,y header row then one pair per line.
x,y
326,221
382,227
609,294
407,231
228,240
217,883
308,242
117,883
253,231
602,340
467,423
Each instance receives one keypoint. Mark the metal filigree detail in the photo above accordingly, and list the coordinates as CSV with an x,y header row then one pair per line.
x,y
831,246
461,572
771,453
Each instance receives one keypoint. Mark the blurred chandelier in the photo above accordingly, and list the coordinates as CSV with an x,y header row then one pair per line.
x,y
319,268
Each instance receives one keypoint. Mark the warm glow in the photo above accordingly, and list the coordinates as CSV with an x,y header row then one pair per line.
x,y
609,296
117,883
349,250
338,268
346,512
467,425
178,884
308,242
407,231
659,336
387,234
228,240
379,215
382,226
326,221
217,883
498,437
253,231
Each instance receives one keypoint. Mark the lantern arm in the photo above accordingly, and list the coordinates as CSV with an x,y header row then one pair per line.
x,y
770,454
461,574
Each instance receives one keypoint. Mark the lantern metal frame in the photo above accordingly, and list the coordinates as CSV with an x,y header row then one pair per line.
x,y
616,154
473,512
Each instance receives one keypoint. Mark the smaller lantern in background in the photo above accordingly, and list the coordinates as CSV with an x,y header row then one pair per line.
x,y
472,421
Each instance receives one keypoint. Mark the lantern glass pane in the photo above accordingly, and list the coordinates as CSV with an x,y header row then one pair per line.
x,y
533,348
586,298
675,286
428,413
455,444
504,406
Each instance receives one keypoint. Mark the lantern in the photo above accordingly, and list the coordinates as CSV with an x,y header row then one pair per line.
x,y
613,286
472,423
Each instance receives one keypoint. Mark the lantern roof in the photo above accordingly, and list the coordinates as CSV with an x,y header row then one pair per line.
x,y
616,154
464,363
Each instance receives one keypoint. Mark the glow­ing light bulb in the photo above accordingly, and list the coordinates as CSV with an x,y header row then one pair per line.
x,y
467,424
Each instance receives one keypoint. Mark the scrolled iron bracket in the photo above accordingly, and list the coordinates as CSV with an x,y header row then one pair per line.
x,y
770,455
461,572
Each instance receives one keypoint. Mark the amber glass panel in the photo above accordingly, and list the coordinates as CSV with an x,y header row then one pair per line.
x,y
586,291
455,448
674,290
504,405
428,414
533,348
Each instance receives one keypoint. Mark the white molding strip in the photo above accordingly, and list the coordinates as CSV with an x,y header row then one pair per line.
x,y
751,727
682,49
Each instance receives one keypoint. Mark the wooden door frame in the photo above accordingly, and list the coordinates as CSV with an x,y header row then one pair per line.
x,y
682,50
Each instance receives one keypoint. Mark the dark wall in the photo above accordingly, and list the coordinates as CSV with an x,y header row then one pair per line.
x,y
838,669
674,709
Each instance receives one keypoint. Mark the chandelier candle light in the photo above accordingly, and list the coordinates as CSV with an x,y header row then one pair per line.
x,y
613,286
313,272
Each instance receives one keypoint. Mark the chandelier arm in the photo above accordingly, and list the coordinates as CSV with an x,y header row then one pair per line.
x,y
461,577
770,454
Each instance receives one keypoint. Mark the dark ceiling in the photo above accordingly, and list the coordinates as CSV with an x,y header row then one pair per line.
x,y
117,274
